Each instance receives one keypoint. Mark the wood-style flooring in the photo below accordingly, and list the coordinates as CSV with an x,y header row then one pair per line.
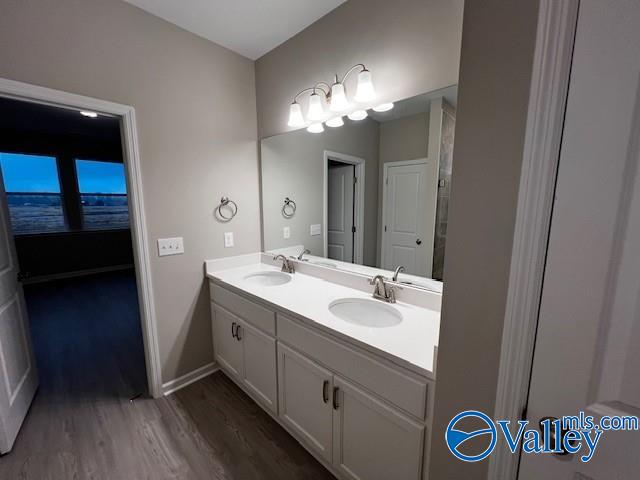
x,y
88,344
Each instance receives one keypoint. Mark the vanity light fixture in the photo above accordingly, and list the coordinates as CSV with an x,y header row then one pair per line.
x,y
358,115
296,119
334,122
316,109
384,107
87,113
364,91
315,128
335,96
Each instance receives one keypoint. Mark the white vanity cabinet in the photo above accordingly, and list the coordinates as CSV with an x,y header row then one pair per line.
x,y
247,355
305,391
364,417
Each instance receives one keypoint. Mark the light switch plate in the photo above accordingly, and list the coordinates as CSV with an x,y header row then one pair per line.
x,y
228,239
315,230
286,232
170,246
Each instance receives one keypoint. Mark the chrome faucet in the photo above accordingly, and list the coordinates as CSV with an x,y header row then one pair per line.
x,y
287,265
382,291
305,250
397,272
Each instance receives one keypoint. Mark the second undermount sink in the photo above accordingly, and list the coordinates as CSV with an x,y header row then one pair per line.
x,y
268,279
365,312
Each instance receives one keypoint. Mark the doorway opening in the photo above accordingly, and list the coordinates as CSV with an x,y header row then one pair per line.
x,y
65,187
344,181
73,237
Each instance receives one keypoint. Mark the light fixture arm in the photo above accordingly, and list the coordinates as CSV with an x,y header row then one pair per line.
x,y
344,77
313,89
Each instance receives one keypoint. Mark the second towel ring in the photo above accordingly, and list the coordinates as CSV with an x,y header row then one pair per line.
x,y
289,208
226,201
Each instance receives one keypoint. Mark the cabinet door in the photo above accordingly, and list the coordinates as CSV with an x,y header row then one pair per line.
x,y
305,400
227,349
259,375
372,441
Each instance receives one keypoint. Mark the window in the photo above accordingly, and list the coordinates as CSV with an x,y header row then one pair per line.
x,y
33,193
103,195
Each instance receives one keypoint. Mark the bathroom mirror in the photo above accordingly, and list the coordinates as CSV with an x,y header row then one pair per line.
x,y
367,196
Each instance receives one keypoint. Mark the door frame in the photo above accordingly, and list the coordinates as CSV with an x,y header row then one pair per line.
x,y
550,74
385,186
142,258
358,198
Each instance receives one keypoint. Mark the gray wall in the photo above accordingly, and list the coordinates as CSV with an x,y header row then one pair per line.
x,y
406,138
292,166
410,46
495,73
196,114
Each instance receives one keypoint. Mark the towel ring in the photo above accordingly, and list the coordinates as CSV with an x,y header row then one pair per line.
x,y
289,208
226,201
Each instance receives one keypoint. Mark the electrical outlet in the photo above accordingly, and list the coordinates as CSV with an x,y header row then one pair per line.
x,y
170,246
228,239
286,232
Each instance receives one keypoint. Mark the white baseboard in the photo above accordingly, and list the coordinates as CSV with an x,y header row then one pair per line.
x,y
191,377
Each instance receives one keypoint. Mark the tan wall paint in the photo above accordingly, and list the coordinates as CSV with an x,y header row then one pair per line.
x,y
196,114
495,73
292,165
410,46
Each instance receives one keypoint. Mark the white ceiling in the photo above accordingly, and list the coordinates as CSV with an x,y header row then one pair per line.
x,y
248,27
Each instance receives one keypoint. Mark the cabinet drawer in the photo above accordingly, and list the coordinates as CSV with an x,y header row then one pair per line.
x,y
405,390
249,311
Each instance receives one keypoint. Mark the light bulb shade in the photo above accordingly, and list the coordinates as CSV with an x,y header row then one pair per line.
x,y
296,119
358,115
365,91
339,101
384,107
316,110
334,122
315,128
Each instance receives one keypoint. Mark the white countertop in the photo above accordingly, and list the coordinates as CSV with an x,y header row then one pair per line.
x,y
411,343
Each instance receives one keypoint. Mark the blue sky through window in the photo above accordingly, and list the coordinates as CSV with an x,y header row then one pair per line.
x,y
100,177
29,173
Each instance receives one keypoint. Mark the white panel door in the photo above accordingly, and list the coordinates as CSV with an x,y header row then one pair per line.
x,y
305,399
227,347
407,239
340,213
259,373
587,353
372,441
18,375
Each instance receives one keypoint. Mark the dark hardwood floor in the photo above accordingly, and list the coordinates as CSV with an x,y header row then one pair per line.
x,y
82,425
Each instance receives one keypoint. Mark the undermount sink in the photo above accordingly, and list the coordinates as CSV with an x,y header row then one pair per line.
x,y
364,312
268,279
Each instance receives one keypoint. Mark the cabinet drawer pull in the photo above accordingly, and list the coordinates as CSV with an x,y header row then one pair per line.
x,y
336,390
233,329
238,330
325,391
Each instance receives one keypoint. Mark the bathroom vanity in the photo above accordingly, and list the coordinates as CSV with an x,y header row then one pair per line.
x,y
350,377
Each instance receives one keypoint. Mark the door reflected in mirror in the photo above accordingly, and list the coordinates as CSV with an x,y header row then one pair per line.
x,y
372,194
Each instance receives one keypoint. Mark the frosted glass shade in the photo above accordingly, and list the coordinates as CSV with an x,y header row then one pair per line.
x,y
358,115
334,122
316,110
339,101
364,91
384,107
315,128
296,119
